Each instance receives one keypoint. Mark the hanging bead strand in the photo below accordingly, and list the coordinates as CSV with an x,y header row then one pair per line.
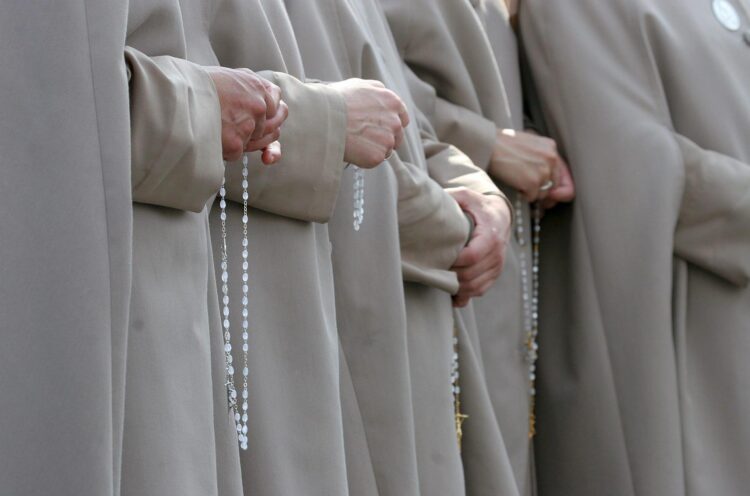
x,y
534,344
359,197
245,314
231,390
240,414
530,297
459,416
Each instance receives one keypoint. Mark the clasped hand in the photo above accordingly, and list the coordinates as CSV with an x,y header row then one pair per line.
x,y
252,113
480,263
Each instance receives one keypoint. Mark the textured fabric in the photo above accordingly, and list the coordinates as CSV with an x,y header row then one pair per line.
x,y
296,438
178,431
456,47
65,230
644,376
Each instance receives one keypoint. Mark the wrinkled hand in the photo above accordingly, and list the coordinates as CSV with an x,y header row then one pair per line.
x,y
526,162
480,263
251,111
376,118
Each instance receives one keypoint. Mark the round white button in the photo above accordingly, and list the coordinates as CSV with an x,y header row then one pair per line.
x,y
727,15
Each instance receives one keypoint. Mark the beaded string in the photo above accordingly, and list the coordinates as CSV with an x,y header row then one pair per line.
x,y
459,417
530,296
359,197
239,418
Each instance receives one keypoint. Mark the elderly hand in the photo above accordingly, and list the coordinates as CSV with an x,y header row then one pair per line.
x,y
376,118
526,162
251,110
480,263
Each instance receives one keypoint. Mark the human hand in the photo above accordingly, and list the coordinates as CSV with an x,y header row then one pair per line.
x,y
526,162
376,118
480,263
251,110
564,190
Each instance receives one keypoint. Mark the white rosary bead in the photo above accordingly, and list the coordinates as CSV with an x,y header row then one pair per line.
x,y
240,420
359,197
530,296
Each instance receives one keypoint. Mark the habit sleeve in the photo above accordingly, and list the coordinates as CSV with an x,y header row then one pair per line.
x,y
447,165
175,122
432,228
304,184
713,230
471,132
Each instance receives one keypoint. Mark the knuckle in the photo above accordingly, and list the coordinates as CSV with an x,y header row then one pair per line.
x,y
373,158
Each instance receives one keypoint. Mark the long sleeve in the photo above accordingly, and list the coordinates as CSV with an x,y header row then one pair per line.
x,y
304,184
432,228
713,231
470,131
175,122
451,166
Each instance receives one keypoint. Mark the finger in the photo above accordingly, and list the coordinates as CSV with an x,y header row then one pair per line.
x,y
472,272
272,97
260,126
566,191
262,143
404,115
478,248
272,153
460,301
530,195
478,286
276,121
399,137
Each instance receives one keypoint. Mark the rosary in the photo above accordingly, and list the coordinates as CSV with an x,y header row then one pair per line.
x,y
530,295
459,417
239,418
239,406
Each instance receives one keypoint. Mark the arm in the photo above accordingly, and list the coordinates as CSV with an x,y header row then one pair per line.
x,y
470,131
713,231
432,228
304,183
175,122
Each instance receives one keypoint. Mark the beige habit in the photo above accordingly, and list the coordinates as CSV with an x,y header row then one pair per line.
x,y
408,217
178,436
65,234
296,443
645,382
457,47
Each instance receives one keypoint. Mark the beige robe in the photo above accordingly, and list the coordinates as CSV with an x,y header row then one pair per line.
x,y
456,47
65,237
296,443
645,381
381,382
178,435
